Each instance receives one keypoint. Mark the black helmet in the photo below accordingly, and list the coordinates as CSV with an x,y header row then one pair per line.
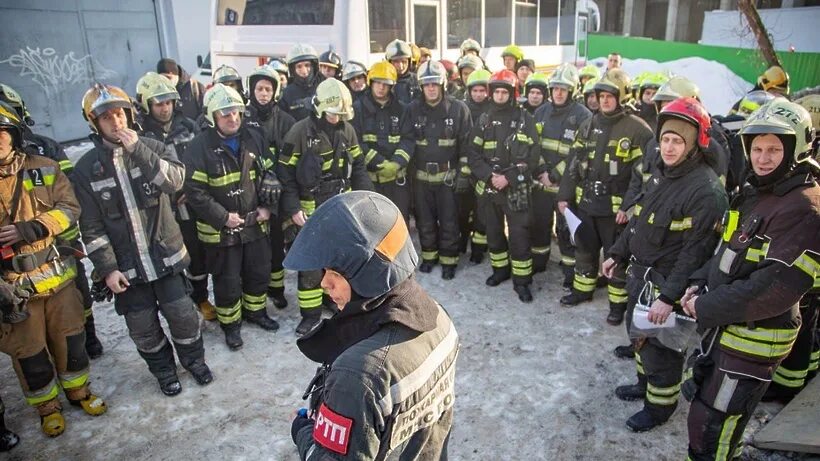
x,y
9,120
331,58
361,235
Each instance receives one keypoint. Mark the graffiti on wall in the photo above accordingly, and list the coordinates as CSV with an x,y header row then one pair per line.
x,y
53,71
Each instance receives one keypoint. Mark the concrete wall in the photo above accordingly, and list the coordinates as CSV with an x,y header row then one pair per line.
x,y
788,26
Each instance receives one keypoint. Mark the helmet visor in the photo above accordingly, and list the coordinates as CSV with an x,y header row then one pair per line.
x,y
225,111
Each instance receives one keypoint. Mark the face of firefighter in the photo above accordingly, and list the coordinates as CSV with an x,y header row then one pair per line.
x,y
283,81
380,91
766,154
174,78
333,119
613,61
357,83
673,149
559,95
478,93
263,91
522,73
432,93
303,69
228,125
646,98
6,143
327,71
501,96
465,73
607,101
337,287
163,111
535,97
592,102
401,65
509,63
112,122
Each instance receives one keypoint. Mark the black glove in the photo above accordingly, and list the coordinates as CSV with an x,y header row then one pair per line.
x,y
31,231
269,191
99,289
463,184
298,423
12,304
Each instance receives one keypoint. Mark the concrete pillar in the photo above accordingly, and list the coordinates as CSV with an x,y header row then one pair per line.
x,y
682,25
727,5
671,20
634,17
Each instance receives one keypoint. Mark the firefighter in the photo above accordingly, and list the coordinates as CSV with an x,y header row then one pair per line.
x,y
466,66
605,160
262,113
303,67
523,69
125,183
42,311
614,61
471,47
231,186
399,54
646,107
378,128
503,152
768,259
321,158
435,132
557,122
282,70
390,351
511,56
228,76
535,92
587,73
672,234
589,98
165,123
190,90
42,145
470,221
354,75
330,64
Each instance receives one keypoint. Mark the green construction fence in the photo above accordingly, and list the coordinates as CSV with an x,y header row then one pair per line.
x,y
803,68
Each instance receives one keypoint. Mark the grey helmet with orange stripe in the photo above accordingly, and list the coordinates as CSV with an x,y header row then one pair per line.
x,y
362,236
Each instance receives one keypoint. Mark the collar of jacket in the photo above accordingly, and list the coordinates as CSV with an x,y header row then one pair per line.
x,y
215,140
692,161
443,105
149,123
406,304
373,106
261,111
799,176
611,119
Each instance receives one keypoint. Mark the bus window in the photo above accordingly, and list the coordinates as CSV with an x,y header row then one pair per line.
x,y
275,12
549,22
526,13
498,23
425,26
386,23
463,21
567,23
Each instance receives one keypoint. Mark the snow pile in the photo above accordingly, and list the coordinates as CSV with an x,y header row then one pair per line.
x,y
720,88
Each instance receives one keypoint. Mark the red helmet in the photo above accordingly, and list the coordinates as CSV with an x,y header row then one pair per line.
x,y
505,79
690,110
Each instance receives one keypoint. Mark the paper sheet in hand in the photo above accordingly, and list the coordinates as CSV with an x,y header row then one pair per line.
x,y
572,222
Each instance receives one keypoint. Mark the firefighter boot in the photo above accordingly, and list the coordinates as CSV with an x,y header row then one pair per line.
x,y
310,318
499,275
632,392
523,292
8,439
202,375
260,318
278,297
233,335
51,417
575,298
207,310
91,404
625,352
448,271
476,256
643,421
427,266
93,346
616,313
569,276
539,263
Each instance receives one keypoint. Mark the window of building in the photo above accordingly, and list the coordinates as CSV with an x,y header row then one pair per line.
x,y
498,23
275,12
567,18
463,21
548,22
526,14
387,23
425,26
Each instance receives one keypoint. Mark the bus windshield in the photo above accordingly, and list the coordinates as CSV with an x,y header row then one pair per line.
x,y
275,12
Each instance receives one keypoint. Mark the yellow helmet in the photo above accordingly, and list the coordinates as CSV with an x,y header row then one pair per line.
x,y
677,87
589,86
222,98
514,51
383,72
153,88
781,117
333,97
617,82
590,71
415,55
775,78
101,98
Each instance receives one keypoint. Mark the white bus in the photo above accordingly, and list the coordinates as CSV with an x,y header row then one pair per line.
x,y
245,33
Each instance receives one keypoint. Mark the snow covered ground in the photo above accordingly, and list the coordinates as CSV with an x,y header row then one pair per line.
x,y
534,382
719,87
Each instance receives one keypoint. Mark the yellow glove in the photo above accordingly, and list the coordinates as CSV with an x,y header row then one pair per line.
x,y
389,170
